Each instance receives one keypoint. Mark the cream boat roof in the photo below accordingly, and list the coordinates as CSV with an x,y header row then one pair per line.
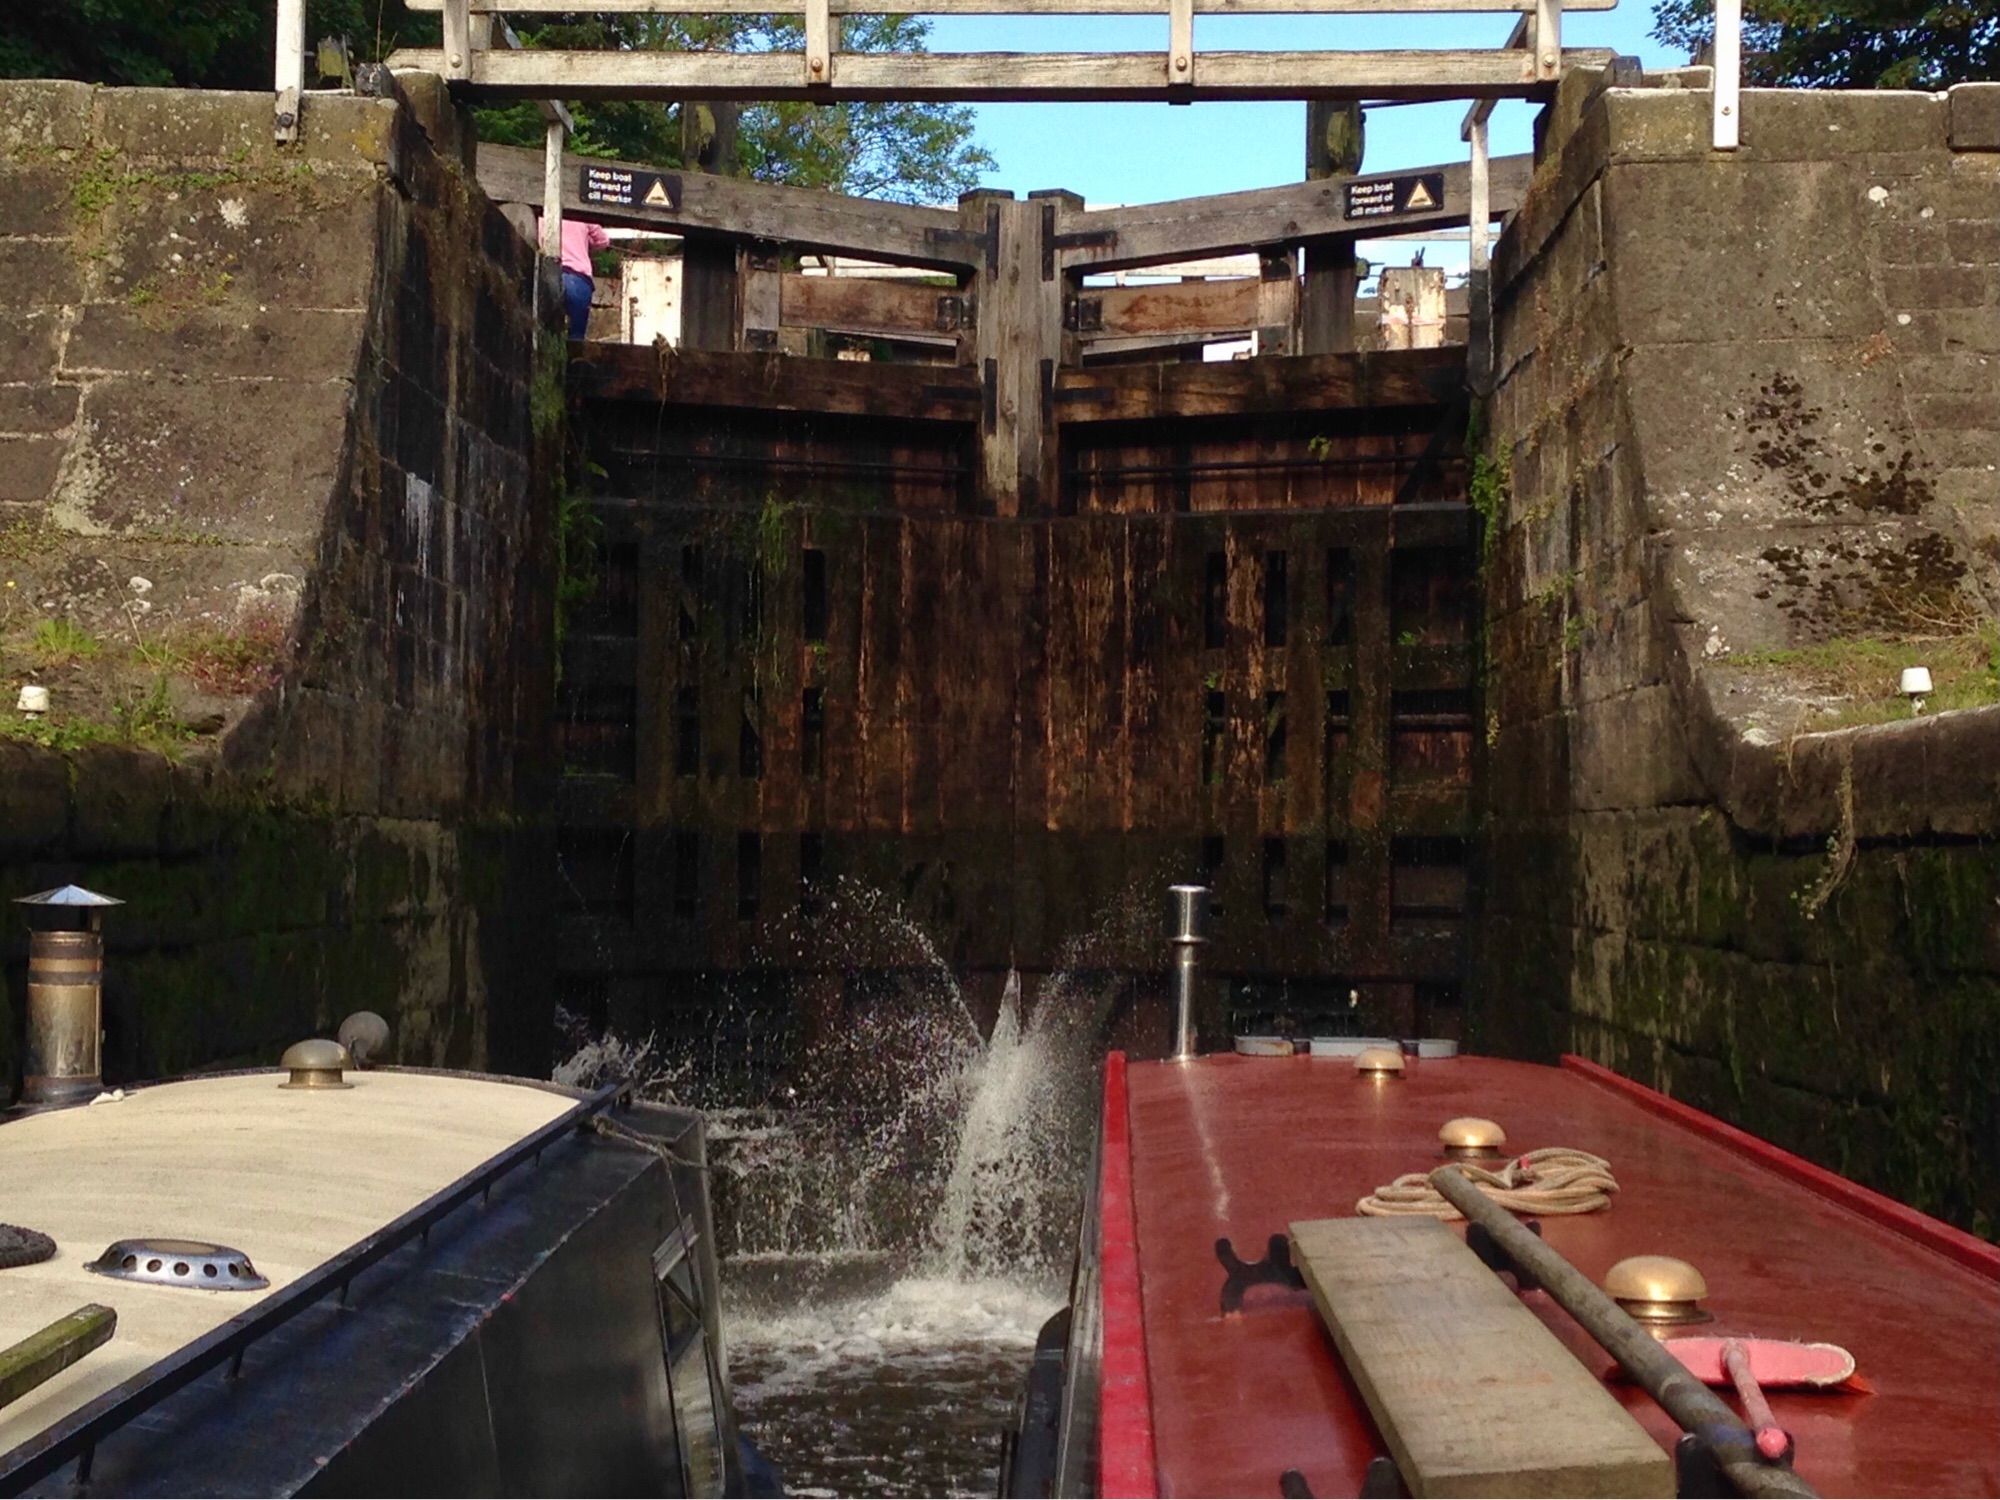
x,y
291,1177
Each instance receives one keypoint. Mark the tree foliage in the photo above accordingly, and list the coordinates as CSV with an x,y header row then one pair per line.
x,y
1849,44
911,152
916,153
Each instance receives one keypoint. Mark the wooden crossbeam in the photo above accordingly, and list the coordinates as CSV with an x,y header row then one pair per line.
x,y
1194,308
860,304
1470,1390
1157,233
1307,382
1011,7
1148,234
776,382
703,204
999,77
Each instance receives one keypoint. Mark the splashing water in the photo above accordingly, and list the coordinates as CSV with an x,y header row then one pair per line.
x,y
1011,1198
897,1233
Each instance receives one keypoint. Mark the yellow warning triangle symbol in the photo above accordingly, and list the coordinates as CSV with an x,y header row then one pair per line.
x,y
656,195
1420,197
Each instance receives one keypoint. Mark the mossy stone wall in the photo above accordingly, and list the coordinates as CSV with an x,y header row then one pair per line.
x,y
290,384
1743,405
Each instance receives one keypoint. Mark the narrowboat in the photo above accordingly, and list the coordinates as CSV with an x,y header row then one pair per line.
x,y
322,1279
1244,1319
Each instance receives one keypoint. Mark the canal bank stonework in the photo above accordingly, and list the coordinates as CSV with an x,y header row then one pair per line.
x,y
1747,406
266,446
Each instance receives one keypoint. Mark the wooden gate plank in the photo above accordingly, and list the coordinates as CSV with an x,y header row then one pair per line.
x,y
1473,1395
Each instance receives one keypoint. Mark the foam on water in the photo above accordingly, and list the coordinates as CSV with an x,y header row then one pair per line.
x,y
901,1227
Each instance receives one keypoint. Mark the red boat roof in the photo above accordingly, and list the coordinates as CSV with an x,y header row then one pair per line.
x,y
1242,1146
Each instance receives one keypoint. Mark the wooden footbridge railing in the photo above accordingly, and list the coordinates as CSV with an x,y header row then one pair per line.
x,y
1016,310
822,71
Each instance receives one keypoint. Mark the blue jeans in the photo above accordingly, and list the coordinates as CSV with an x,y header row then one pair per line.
x,y
576,297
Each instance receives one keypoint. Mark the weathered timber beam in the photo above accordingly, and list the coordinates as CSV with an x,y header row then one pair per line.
x,y
728,206
1064,8
775,382
1249,387
1145,234
1001,77
46,1353
857,304
1186,308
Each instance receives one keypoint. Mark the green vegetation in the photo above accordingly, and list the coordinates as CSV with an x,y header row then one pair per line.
x,y
1847,44
58,641
1863,674
233,663
1489,484
142,718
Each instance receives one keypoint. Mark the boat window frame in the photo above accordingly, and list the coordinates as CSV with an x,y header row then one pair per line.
x,y
674,1254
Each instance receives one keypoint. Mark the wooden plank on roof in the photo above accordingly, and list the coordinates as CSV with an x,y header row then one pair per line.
x,y
1157,233
1008,7
702,203
1306,382
776,382
1000,77
1470,1390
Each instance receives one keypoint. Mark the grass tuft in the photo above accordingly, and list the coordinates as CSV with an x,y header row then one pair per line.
x,y
1862,674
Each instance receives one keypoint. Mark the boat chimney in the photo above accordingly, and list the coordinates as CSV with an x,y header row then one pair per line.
x,y
62,1062
1188,921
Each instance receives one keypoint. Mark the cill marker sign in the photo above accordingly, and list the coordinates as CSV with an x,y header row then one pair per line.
x,y
619,187
1385,197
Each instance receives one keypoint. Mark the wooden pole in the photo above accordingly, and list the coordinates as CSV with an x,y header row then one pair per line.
x,y
457,39
1180,42
1728,74
1548,38
290,70
1479,280
552,191
711,289
819,43
1480,215
1690,1403
50,1351
1336,139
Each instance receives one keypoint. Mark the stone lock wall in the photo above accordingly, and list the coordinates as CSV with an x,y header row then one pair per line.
x,y
273,537
1746,405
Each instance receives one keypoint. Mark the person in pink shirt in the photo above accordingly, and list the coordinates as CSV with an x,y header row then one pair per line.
x,y
579,238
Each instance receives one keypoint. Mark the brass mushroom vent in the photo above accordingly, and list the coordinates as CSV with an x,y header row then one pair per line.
x,y
1658,1290
1379,1062
1469,1138
316,1064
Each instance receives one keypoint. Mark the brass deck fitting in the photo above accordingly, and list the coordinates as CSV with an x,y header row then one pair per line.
x,y
1658,1290
1469,1138
316,1064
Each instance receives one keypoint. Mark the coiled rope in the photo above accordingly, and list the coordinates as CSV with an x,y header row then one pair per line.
x,y
1553,1180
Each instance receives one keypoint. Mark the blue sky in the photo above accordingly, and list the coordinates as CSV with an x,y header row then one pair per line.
x,y
1135,153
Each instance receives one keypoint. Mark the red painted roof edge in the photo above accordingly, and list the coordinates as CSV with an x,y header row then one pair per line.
x,y
1126,1466
1967,1250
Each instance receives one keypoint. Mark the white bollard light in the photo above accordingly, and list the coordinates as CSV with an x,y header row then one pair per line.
x,y
1916,687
